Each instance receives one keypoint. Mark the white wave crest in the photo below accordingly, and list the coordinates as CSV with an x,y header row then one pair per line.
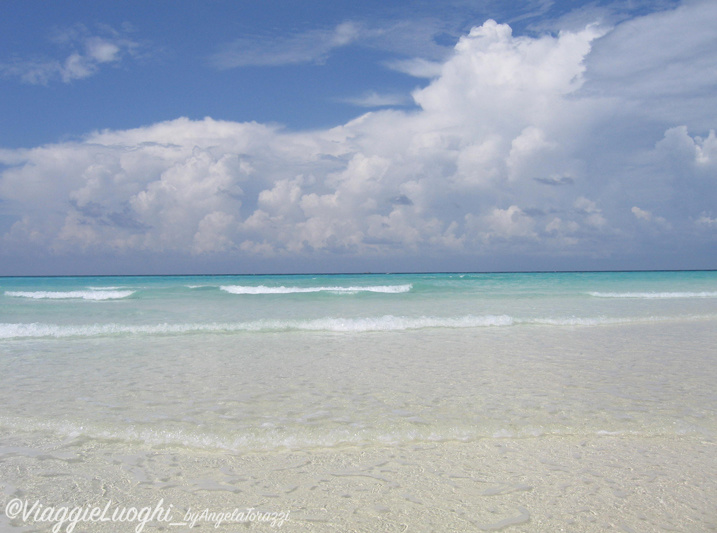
x,y
81,295
262,289
339,325
385,323
703,294
396,323
582,321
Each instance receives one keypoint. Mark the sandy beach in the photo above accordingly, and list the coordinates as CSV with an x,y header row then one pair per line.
x,y
603,483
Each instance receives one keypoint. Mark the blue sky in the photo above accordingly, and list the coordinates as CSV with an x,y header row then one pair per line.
x,y
280,136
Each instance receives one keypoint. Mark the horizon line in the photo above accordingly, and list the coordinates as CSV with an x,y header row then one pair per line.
x,y
366,273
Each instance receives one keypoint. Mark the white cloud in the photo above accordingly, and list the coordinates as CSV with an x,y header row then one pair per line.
x,y
214,233
641,213
494,72
374,99
509,223
701,153
312,46
593,214
648,217
87,52
506,152
707,221
414,38
416,67
662,65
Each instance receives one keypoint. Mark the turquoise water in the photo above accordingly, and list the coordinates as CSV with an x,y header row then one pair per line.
x,y
101,306
269,362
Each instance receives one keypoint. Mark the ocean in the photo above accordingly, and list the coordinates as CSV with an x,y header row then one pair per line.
x,y
439,402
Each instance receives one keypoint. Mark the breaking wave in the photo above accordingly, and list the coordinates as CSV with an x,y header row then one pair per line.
x,y
385,323
339,325
262,289
70,295
654,295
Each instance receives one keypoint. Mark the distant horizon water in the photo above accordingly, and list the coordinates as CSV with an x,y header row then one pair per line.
x,y
366,273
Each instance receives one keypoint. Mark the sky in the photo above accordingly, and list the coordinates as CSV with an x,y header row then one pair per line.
x,y
286,136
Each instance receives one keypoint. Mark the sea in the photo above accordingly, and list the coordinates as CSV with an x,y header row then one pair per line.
x,y
367,402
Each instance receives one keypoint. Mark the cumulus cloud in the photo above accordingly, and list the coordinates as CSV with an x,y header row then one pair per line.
x,y
700,153
504,153
86,53
648,217
641,213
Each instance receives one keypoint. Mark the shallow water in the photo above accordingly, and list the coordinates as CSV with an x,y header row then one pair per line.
x,y
130,388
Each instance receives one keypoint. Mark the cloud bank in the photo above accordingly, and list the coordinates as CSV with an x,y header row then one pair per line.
x,y
522,147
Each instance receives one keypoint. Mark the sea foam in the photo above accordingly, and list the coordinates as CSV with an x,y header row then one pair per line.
x,y
262,289
384,323
328,324
69,295
654,295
